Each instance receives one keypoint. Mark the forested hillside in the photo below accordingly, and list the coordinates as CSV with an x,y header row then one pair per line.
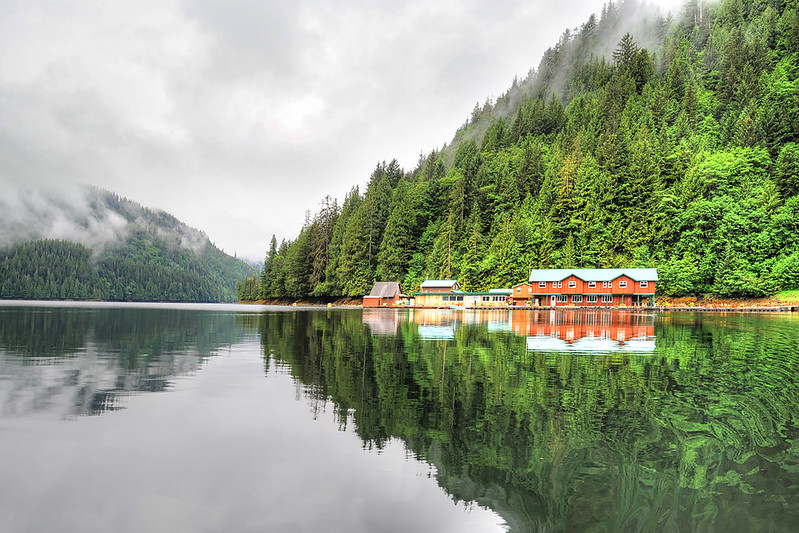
x,y
676,150
143,255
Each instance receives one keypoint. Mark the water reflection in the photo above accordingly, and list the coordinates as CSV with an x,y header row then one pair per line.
x,y
701,434
76,361
580,331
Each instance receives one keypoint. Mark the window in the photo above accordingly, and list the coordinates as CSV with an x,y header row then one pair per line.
x,y
577,298
518,289
530,290
563,298
610,284
554,284
445,298
644,283
572,284
604,284
486,298
607,298
458,298
498,298
591,298
592,284
623,284
560,284
542,284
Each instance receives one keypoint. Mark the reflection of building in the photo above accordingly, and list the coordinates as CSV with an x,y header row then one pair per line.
x,y
593,287
585,330
382,322
384,294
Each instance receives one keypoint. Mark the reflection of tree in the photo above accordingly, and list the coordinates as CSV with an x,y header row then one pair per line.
x,y
700,435
89,356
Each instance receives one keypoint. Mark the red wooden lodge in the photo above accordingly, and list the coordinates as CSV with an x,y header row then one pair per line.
x,y
588,287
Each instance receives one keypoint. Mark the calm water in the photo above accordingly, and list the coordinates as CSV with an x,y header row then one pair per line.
x,y
239,418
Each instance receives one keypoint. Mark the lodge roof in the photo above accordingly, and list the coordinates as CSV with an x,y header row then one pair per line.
x,y
385,289
593,274
436,283
500,291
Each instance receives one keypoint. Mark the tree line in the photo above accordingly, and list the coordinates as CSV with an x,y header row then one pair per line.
x,y
681,155
140,269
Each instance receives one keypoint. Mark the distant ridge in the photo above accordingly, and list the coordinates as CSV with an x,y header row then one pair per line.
x,y
92,244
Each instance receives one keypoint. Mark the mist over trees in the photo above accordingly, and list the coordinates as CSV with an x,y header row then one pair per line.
x,y
676,147
125,252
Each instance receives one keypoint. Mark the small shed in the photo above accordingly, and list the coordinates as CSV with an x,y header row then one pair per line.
x,y
384,294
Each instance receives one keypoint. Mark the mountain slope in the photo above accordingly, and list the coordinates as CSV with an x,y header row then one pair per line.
x,y
96,245
676,147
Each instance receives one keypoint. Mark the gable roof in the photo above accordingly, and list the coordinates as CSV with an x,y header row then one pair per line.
x,y
594,274
436,283
385,289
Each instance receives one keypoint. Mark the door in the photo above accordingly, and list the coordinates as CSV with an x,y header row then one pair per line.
x,y
553,300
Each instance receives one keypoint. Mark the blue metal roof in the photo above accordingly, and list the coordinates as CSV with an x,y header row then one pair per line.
x,y
593,274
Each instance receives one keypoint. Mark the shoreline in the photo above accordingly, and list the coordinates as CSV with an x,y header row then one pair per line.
x,y
762,305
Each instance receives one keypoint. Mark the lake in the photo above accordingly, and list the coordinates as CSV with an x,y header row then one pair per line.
x,y
157,417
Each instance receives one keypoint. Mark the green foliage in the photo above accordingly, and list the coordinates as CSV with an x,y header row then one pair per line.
x,y
680,142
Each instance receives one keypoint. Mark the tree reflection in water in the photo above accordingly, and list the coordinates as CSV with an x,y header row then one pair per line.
x,y
695,432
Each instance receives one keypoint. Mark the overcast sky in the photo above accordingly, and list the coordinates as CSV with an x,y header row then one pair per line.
x,y
237,116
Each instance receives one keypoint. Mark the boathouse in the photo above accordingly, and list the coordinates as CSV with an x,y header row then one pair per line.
x,y
447,293
384,294
601,287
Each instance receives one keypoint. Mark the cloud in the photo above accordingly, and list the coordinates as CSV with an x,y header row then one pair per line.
x,y
238,116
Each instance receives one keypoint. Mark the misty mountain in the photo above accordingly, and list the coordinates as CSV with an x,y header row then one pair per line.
x,y
642,139
91,244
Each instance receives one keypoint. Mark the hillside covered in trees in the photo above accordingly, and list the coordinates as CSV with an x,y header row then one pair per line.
x,y
120,251
642,139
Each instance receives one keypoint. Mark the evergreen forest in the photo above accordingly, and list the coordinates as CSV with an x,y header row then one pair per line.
x,y
642,139
155,257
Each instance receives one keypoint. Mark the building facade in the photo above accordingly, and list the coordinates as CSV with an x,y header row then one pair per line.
x,y
593,287
384,294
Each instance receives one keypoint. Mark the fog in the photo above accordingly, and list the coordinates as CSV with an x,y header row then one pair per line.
x,y
237,117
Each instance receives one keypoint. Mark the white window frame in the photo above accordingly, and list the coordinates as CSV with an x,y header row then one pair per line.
x,y
604,284
577,298
519,290
486,298
610,284
562,298
591,298
560,284
592,284
572,284
542,284
607,298
622,284
445,298
644,284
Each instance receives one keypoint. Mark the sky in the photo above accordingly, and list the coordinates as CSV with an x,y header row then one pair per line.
x,y
238,116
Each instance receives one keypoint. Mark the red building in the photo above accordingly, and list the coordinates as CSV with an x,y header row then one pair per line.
x,y
384,294
522,294
593,287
